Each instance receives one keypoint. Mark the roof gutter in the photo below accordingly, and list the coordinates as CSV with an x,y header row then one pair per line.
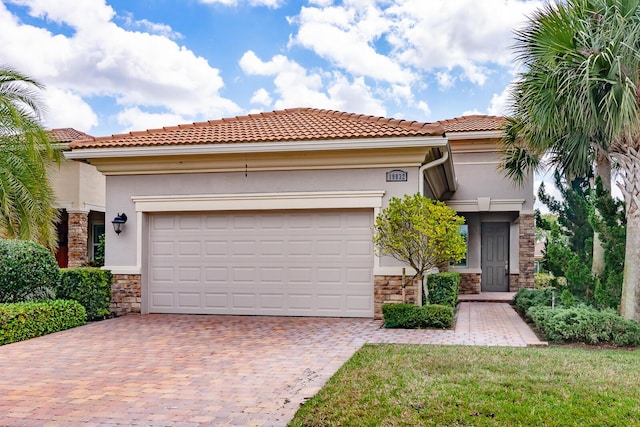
x,y
442,160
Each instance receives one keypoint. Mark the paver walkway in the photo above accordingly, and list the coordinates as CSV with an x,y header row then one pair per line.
x,y
180,370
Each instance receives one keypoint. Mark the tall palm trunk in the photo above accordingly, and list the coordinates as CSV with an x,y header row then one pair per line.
x,y
628,157
603,171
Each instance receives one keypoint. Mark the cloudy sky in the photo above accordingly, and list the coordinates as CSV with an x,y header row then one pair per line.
x,y
117,65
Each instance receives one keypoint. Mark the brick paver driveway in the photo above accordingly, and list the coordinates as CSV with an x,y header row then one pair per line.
x,y
174,370
177,370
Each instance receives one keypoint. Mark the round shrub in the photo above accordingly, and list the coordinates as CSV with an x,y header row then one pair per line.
x,y
28,271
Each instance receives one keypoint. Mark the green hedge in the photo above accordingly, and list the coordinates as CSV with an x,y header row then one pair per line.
x,y
526,298
585,324
90,286
443,288
25,320
28,271
411,316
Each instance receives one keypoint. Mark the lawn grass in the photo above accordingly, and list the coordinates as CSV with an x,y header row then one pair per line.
x,y
412,385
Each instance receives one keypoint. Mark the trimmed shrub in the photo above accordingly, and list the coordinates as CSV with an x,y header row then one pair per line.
x,y
585,324
25,320
439,316
28,271
526,298
403,316
90,286
411,316
443,288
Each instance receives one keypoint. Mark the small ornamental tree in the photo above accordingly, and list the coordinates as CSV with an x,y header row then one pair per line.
x,y
420,232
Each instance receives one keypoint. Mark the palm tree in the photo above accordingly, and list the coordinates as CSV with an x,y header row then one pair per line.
x,y
578,102
26,154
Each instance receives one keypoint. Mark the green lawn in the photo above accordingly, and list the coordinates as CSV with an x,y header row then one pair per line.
x,y
411,385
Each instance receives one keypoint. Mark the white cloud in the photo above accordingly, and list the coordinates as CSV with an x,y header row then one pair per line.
x,y
424,107
345,35
273,4
261,96
296,86
67,109
136,119
467,34
445,80
472,112
396,40
150,27
500,102
102,59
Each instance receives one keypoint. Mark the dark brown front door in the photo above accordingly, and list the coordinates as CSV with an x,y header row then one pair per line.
x,y
495,256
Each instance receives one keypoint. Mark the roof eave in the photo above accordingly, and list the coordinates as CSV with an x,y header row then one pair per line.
x,y
256,147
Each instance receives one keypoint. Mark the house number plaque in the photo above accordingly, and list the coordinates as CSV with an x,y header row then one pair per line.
x,y
396,175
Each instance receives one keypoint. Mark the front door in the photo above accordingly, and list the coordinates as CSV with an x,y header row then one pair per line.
x,y
495,256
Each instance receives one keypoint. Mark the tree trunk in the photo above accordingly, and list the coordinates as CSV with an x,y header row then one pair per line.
x,y
630,302
603,170
629,160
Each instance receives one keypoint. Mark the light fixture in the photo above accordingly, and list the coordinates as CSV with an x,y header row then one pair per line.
x,y
118,222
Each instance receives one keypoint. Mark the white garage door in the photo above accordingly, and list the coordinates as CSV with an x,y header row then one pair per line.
x,y
304,263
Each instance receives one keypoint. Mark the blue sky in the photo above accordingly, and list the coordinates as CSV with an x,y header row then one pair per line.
x,y
113,66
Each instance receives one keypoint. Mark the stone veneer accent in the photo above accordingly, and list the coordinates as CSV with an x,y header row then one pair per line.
x,y
78,238
388,290
470,283
527,249
126,294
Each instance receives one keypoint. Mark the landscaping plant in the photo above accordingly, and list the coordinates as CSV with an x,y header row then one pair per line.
x,y
420,232
90,286
28,271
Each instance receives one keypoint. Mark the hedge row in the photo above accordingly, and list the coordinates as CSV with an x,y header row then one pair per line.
x,y
412,316
25,320
585,324
570,322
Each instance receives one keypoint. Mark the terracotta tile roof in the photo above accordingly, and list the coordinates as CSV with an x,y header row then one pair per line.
x,y
298,124
475,123
67,135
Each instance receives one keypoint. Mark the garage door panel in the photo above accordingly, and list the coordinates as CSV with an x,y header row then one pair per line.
x,y
162,274
189,248
315,263
216,300
189,274
189,300
162,248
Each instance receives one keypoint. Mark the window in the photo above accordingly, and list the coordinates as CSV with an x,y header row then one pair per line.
x,y
97,230
464,232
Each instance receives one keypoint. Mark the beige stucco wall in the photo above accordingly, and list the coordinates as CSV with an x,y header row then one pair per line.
x,y
78,186
122,250
478,176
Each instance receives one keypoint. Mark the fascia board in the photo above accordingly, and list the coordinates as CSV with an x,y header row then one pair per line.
x,y
487,134
260,147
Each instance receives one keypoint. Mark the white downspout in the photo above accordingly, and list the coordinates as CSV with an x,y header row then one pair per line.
x,y
423,168
429,165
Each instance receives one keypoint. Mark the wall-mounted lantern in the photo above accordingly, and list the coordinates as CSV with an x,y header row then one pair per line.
x,y
118,222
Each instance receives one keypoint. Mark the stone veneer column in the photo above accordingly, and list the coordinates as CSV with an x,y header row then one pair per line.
x,y
470,283
527,250
126,294
388,290
78,238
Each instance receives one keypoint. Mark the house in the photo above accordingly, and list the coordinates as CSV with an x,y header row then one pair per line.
x,y
272,213
80,196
